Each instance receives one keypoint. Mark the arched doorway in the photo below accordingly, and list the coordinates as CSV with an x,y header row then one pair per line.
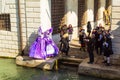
x,y
57,13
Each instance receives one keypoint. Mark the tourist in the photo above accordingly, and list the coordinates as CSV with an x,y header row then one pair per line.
x,y
90,47
64,27
107,52
65,42
82,36
70,31
89,28
99,42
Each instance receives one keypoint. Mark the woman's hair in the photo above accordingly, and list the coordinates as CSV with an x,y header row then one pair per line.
x,y
70,25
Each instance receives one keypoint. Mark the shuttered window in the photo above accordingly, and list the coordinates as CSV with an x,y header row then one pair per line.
x,y
57,13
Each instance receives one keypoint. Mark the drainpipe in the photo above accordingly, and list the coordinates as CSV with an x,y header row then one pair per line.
x,y
20,29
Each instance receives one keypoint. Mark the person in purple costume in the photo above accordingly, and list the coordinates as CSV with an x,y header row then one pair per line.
x,y
43,46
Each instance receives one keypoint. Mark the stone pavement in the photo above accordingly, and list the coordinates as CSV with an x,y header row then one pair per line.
x,y
98,69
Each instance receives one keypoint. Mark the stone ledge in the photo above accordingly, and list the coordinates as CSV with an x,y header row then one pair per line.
x,y
47,64
98,70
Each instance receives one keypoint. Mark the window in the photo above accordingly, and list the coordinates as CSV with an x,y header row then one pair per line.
x,y
5,22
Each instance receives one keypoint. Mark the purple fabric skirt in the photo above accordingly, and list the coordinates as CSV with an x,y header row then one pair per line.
x,y
42,48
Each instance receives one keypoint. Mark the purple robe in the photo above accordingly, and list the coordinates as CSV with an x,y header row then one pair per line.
x,y
43,46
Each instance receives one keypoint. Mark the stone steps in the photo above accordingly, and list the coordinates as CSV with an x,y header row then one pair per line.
x,y
99,70
71,61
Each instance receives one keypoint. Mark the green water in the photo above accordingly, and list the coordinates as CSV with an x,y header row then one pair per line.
x,y
10,71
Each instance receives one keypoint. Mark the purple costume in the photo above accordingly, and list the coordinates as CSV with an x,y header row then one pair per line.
x,y
43,46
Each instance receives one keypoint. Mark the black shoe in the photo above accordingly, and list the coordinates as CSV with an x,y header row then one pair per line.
x,y
80,49
104,62
90,62
84,50
107,64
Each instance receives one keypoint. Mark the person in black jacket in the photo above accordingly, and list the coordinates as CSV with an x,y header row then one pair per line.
x,y
65,42
106,47
89,28
90,48
82,36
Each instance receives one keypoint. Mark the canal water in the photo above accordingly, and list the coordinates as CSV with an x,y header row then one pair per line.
x,y
10,71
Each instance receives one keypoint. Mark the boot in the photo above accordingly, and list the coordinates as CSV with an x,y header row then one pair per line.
x,y
107,64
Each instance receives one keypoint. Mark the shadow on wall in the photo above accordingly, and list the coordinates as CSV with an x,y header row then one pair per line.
x,y
56,38
116,38
29,42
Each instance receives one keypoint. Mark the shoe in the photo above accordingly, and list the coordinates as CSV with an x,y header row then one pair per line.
x,y
90,62
107,64
80,49
104,62
84,50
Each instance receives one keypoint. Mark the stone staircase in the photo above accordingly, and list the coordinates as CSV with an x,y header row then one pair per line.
x,y
75,56
70,61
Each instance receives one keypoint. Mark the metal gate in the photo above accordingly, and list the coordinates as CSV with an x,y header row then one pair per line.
x,y
81,12
57,13
96,7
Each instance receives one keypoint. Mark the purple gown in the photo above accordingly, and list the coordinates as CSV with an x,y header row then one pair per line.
x,y
43,46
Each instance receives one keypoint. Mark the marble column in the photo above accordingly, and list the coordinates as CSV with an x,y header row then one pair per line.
x,y
100,12
71,12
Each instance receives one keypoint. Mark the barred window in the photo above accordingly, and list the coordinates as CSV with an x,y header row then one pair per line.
x,y
5,22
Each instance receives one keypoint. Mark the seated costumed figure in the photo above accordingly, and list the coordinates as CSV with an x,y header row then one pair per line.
x,y
43,46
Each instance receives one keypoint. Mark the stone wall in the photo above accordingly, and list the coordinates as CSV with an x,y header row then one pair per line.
x,y
116,31
8,39
0,4
30,21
